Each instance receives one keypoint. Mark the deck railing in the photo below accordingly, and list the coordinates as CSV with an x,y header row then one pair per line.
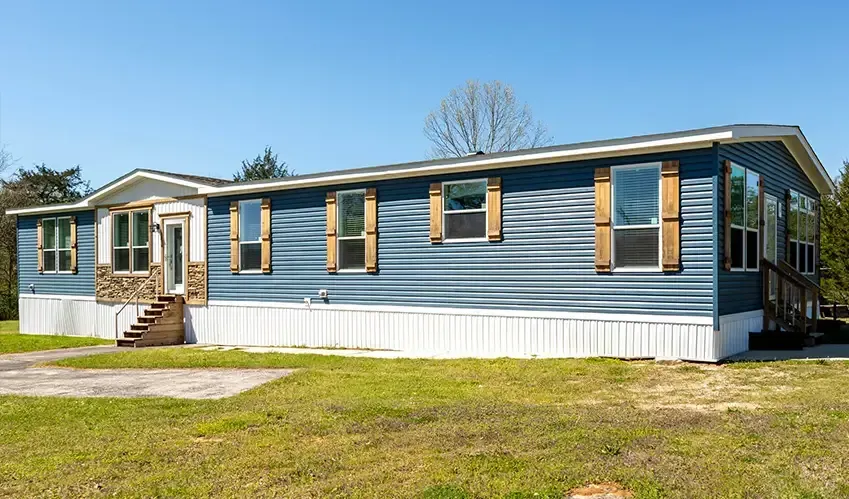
x,y
786,295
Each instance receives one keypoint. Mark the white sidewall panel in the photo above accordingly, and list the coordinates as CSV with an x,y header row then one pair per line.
x,y
73,316
57,315
473,333
734,329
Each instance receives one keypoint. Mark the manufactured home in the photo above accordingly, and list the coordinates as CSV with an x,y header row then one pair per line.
x,y
674,245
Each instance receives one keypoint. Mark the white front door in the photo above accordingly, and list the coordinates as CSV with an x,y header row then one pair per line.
x,y
175,261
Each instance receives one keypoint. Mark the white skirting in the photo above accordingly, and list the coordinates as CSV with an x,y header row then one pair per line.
x,y
471,332
734,329
72,315
476,333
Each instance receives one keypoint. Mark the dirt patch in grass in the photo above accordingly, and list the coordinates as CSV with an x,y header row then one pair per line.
x,y
600,491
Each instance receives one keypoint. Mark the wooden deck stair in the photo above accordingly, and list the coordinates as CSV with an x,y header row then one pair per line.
x,y
787,295
161,324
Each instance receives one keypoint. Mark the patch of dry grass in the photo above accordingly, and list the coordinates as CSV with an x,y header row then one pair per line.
x,y
351,427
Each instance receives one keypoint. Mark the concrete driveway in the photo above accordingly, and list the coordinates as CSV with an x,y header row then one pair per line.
x,y
17,377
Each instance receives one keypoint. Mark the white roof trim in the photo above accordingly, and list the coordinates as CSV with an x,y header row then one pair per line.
x,y
791,136
798,146
89,201
484,163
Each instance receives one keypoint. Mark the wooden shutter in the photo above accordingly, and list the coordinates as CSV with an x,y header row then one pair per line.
x,y
265,219
761,219
436,213
787,200
371,229
40,246
671,226
330,201
74,245
726,168
602,219
234,237
493,208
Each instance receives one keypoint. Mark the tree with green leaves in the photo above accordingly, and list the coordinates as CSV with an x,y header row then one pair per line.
x,y
28,187
43,185
264,166
834,240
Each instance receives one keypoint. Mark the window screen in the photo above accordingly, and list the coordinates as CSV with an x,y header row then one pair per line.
x,y
636,217
352,230
465,210
250,235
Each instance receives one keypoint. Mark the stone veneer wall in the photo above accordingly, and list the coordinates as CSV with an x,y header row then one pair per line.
x,y
196,283
118,288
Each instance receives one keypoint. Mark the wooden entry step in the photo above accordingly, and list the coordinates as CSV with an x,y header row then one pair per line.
x,y
161,324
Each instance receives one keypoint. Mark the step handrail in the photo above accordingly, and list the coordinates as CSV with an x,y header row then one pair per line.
x,y
803,279
136,296
794,276
806,288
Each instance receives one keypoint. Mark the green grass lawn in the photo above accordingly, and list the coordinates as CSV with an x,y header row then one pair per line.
x,y
353,427
12,342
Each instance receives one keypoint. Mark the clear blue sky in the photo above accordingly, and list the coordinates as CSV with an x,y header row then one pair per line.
x,y
198,87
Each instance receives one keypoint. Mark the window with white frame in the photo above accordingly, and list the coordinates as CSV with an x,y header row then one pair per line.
x,y
250,235
351,239
802,226
48,229
636,217
131,242
464,209
56,244
141,238
63,243
745,210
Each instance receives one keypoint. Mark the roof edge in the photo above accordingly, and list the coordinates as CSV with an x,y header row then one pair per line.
x,y
117,184
792,137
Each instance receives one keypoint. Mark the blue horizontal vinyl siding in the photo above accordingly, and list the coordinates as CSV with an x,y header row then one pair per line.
x,y
81,283
545,261
742,291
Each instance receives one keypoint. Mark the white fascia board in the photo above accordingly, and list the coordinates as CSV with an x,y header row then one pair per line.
x,y
56,208
117,186
623,148
797,144
89,202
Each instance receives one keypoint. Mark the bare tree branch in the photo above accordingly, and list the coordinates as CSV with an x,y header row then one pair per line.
x,y
482,117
